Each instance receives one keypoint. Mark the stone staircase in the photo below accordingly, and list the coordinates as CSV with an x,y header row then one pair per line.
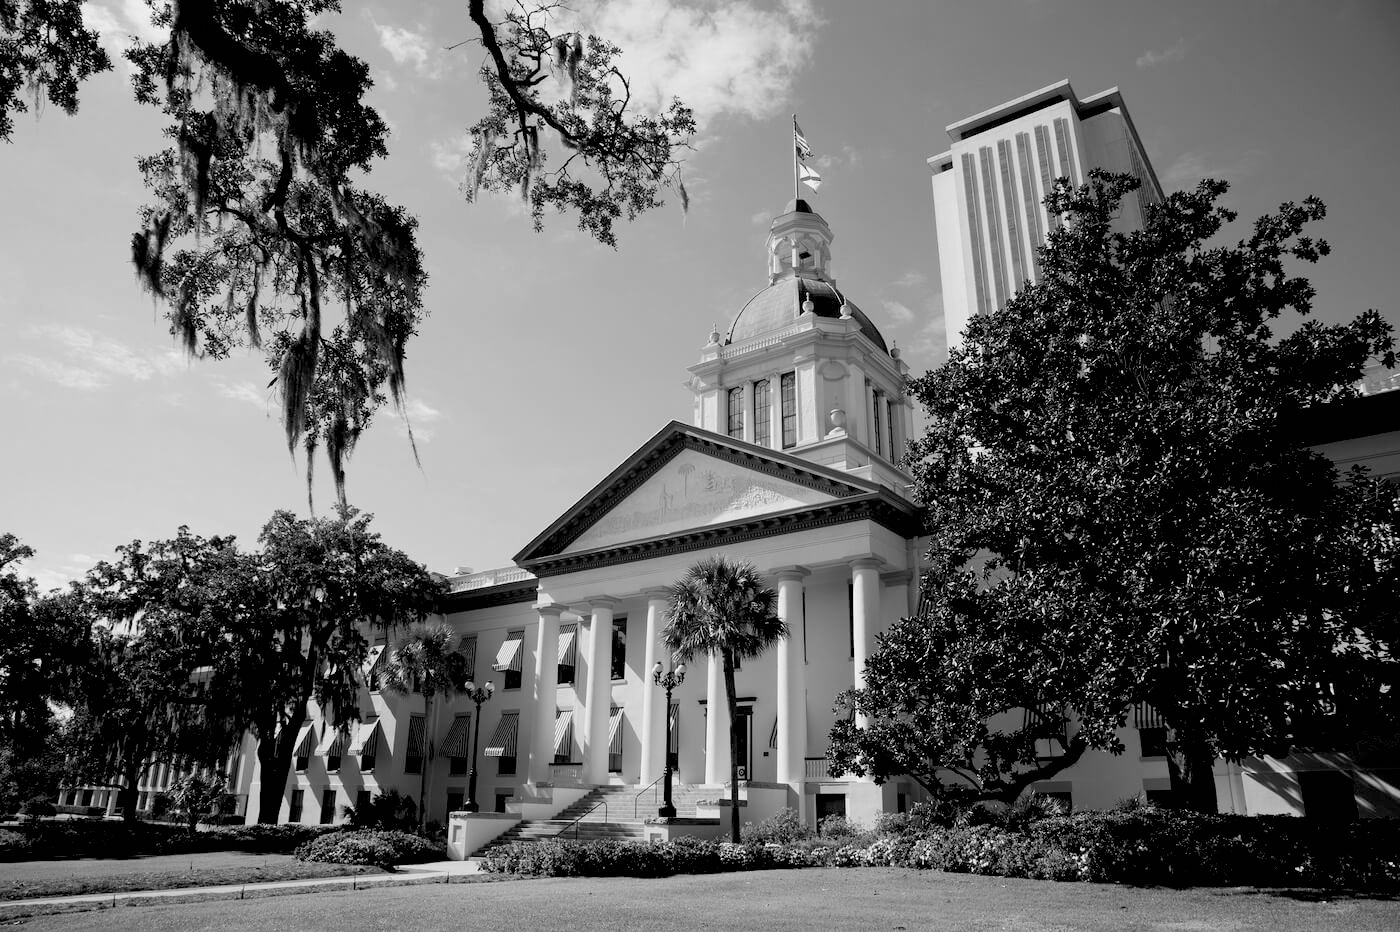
x,y
606,813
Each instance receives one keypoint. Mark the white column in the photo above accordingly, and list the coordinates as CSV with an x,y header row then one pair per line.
x,y
545,693
653,725
792,682
595,729
748,412
716,725
865,615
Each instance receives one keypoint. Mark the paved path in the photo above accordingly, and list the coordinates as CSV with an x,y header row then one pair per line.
x,y
433,872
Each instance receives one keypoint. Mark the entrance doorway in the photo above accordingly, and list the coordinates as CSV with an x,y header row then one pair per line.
x,y
745,735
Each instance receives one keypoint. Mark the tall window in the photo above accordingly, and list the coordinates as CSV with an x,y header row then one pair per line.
x,y
413,753
568,655
328,806
875,421
889,422
619,648
736,413
787,387
294,809
763,413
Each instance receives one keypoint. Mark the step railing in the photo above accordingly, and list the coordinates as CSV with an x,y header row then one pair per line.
x,y
574,824
637,800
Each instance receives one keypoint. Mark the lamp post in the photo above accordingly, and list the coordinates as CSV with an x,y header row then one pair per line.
x,y
668,681
477,694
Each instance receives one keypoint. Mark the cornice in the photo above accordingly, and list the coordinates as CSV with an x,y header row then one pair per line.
x,y
489,597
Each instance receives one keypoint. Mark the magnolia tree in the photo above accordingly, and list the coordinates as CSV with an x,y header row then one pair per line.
x,y
1122,509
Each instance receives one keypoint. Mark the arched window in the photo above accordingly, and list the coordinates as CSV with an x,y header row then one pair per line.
x,y
736,413
763,413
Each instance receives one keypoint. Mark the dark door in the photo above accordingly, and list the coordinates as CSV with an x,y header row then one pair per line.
x,y
745,734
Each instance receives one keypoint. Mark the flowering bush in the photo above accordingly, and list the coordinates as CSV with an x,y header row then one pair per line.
x,y
384,848
783,827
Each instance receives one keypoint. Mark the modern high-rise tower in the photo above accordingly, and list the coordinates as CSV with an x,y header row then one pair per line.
x,y
989,189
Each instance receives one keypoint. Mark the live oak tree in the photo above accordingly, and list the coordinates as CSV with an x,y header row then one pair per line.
x,y
1122,509
263,233
723,609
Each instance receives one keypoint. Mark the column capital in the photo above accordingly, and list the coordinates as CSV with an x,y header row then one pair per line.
x,y
867,563
657,594
785,573
586,608
897,577
551,608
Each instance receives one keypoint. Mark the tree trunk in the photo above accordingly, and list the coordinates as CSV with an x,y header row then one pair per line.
x,y
274,764
126,795
732,698
1191,767
427,762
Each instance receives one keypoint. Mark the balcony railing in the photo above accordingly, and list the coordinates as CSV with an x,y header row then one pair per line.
x,y
484,580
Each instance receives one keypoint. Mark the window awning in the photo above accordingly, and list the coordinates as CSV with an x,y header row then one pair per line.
x,y
615,731
334,741
1144,716
568,644
564,732
468,652
415,737
773,739
372,661
455,744
502,743
306,741
508,657
367,738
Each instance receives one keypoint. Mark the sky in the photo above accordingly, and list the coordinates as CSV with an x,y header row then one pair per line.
x,y
547,359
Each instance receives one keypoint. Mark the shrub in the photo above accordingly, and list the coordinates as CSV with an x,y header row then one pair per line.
x,y
838,826
36,807
383,848
385,811
267,839
783,827
1029,808
13,845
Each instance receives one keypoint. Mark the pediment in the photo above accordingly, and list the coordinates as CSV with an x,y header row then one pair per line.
x,y
683,480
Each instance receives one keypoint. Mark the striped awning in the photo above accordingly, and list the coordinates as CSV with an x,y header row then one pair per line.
x,y
334,741
372,661
674,728
773,738
508,657
468,652
568,644
502,743
564,732
1144,716
455,744
615,731
415,736
306,742
367,737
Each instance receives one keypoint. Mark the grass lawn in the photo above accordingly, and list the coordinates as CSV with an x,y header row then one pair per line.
x,y
846,900
25,879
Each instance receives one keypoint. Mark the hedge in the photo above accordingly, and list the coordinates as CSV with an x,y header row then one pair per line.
x,y
1143,846
368,846
62,838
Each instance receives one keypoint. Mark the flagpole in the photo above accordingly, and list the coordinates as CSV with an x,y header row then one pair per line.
x,y
796,191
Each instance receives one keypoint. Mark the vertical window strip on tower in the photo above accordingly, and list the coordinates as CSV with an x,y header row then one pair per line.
x,y
1013,227
1066,155
787,388
875,423
994,241
974,224
1047,171
1029,203
736,413
763,413
889,422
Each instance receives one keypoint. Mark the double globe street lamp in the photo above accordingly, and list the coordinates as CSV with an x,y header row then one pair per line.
x,y
478,695
668,681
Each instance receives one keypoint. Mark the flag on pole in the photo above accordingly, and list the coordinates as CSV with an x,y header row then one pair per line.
x,y
809,177
804,151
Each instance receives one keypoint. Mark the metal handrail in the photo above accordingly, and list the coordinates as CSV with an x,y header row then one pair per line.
x,y
574,824
637,800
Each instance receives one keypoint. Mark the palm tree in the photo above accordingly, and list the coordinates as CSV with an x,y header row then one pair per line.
x,y
427,661
723,608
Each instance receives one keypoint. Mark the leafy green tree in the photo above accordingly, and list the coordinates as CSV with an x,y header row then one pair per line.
x,y
197,797
262,229
1122,509
315,590
427,661
723,608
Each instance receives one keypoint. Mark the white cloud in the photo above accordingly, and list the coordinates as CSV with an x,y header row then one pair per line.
x,y
1172,53
245,392
420,415
725,57
898,313
911,279
848,157
762,218
411,49
86,360
451,156
119,22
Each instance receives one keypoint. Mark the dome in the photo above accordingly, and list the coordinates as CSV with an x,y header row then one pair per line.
x,y
780,304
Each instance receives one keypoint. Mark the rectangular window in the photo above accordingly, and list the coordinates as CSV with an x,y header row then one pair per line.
x,y
736,413
502,798
787,389
327,806
615,740
294,810
503,742
1008,201
994,241
1029,202
889,422
362,802
367,736
1066,155
413,754
568,654
619,648
1154,742
509,659
563,736
876,434
828,805
763,413
468,652
455,746
974,226
374,662
1047,170
455,798
1328,795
